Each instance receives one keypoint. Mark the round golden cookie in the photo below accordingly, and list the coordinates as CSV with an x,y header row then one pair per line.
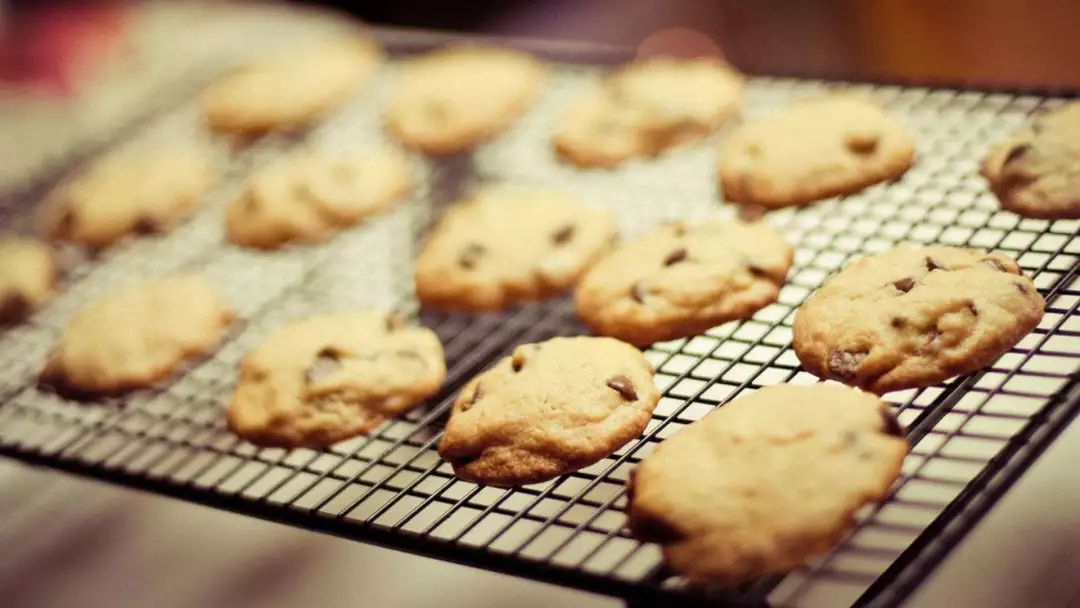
x,y
915,316
455,98
27,276
1036,171
507,245
286,92
549,409
682,279
813,150
138,335
333,376
307,197
766,481
131,192
647,107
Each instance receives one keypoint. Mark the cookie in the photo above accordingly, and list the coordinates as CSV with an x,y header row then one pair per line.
x,y
333,376
549,409
647,107
813,150
27,277
914,316
131,192
455,98
766,481
138,335
507,245
682,279
307,197
288,92
1036,172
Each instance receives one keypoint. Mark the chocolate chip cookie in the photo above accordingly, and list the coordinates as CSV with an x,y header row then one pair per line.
x,y
548,409
682,279
766,481
914,316
1036,172
507,245
308,197
130,192
27,276
286,92
333,376
647,107
138,335
455,98
813,150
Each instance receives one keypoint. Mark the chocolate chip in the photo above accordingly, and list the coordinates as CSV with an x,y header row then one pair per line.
x,y
326,362
471,255
13,306
757,271
843,364
1022,287
931,264
898,323
862,143
890,425
394,322
563,235
517,360
146,225
638,293
477,393
1016,153
996,264
675,256
624,386
972,308
904,284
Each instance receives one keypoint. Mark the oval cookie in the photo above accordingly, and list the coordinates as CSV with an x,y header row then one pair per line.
x,y
914,316
548,409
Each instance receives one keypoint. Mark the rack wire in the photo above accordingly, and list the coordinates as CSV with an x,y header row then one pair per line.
x,y
971,437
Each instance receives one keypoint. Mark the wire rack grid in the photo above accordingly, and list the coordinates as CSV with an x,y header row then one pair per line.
x,y
970,437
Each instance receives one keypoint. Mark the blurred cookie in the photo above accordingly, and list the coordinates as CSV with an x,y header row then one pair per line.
x,y
507,245
27,276
138,335
454,98
286,92
333,376
914,316
647,107
1036,172
307,197
813,150
682,279
549,409
131,192
766,481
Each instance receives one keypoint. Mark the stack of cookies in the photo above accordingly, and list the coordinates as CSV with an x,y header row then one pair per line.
x,y
754,488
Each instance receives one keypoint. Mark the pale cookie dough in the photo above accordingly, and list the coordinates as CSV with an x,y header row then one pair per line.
x,y
130,192
647,107
333,376
507,245
308,197
1036,172
455,98
813,150
549,409
138,335
27,277
682,279
766,481
287,92
914,316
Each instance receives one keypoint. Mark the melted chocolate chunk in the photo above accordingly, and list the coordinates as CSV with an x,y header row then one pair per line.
x,y
675,256
843,364
890,425
13,306
517,360
904,284
563,235
146,225
931,264
477,393
899,322
471,256
624,386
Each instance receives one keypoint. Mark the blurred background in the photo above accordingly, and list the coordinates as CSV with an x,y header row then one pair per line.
x,y
71,72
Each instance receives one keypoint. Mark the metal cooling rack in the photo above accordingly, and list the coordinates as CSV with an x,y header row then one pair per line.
x,y
971,437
